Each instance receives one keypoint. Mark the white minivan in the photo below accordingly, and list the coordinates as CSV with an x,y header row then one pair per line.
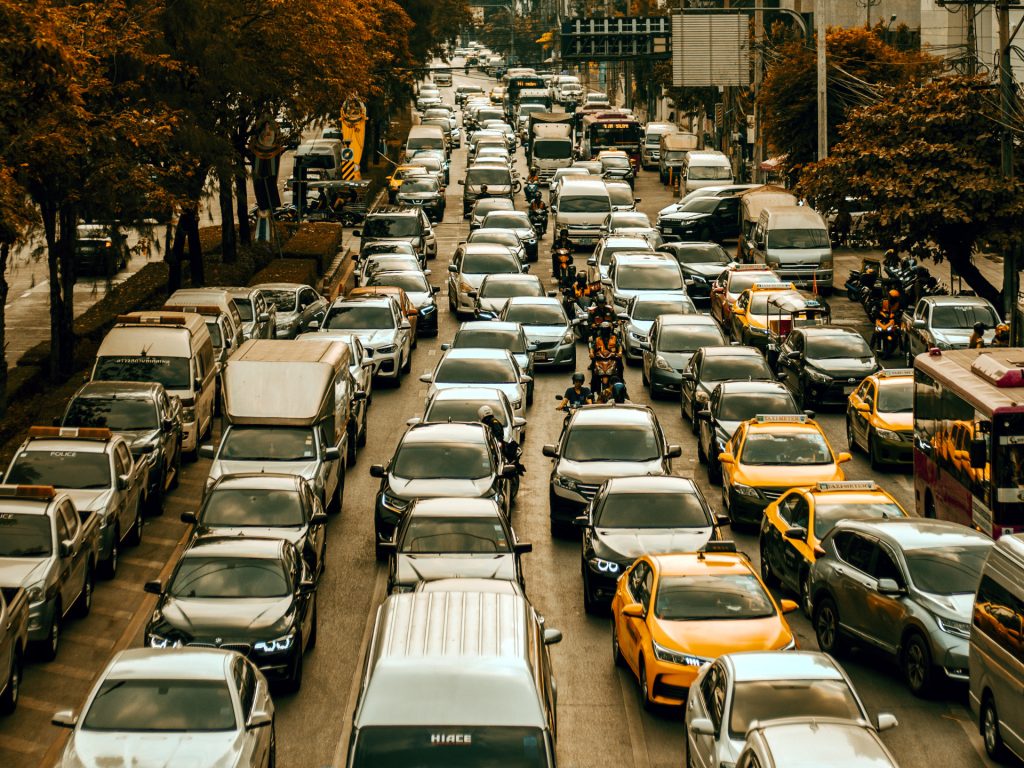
x,y
706,169
793,241
583,204
996,658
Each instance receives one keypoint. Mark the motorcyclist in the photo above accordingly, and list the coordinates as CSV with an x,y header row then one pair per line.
x,y
577,395
539,215
605,346
532,187
600,312
603,388
1002,337
561,242
977,340
885,318
619,393
486,416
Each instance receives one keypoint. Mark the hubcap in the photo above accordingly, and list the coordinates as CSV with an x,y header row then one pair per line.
x,y
990,729
915,665
15,682
826,630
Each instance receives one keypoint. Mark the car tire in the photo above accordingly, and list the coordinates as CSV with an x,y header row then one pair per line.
x,y
9,698
643,376
361,436
645,693
134,537
590,605
334,504
767,575
294,681
408,361
352,448
851,442
49,647
108,567
988,723
916,665
617,657
83,605
805,592
311,642
826,627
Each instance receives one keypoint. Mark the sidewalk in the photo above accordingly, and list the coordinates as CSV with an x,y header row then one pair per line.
x,y
847,259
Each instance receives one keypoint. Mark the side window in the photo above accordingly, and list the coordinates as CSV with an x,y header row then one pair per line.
x,y
648,588
921,311
164,406
63,533
246,682
636,581
801,512
999,615
710,686
743,300
798,342
885,566
786,508
855,549
122,460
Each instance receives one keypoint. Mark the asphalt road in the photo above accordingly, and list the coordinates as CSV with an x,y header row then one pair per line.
x,y
601,722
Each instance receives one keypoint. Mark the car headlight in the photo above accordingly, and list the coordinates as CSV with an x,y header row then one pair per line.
x,y
755,331
569,337
188,414
35,593
159,641
428,310
661,653
953,627
277,645
817,376
566,482
621,301
697,280
662,363
745,490
604,566
394,502
386,350
887,434
464,286
638,337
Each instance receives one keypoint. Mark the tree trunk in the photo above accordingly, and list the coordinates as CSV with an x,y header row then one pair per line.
x,y
175,255
228,243
195,247
242,206
960,259
68,223
48,213
5,252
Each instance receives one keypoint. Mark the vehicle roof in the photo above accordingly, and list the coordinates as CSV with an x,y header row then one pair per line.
x,y
178,664
282,286
583,184
693,563
515,277
371,300
918,533
640,298
548,301
82,444
777,665
625,240
138,390
454,507
453,432
793,217
777,427
614,414
957,300
490,325
680,319
731,351
813,742
498,586
650,484
262,481
477,353
743,386
192,323
478,247
827,330
474,392
429,648
517,214
217,546
241,290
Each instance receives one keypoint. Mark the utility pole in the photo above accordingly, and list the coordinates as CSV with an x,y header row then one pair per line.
x,y
758,76
822,79
1006,97
972,40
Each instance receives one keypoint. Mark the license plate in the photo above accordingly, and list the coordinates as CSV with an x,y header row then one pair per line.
x,y
540,355
586,240
849,389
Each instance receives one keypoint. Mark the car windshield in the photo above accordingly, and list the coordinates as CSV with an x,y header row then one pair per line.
x,y
268,444
68,468
495,236
711,598
437,461
510,340
535,314
784,448
615,162
682,338
489,204
962,316
158,706
651,510
951,570
584,204
461,535
396,247
499,177
649,277
25,535
741,280
652,310
462,409
798,238
244,305
119,414
838,347
709,172
420,185
700,254
604,442
391,226
282,300
740,406
759,301
507,221
454,370
172,372
359,318
229,577
392,261
769,699
629,220
620,194
431,747
490,264
253,507
725,367
410,282
896,397
552,149
827,515
675,155
701,205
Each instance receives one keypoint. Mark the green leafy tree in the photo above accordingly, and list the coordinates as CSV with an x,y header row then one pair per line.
x,y
926,160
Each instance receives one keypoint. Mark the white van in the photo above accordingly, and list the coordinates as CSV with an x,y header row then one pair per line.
x,y
173,349
706,169
425,137
996,658
321,153
793,240
583,204
650,153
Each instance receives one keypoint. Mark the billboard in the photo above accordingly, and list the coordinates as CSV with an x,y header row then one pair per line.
x,y
710,50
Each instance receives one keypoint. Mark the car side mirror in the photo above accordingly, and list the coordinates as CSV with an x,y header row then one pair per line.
x,y
462,182
722,519
259,718
435,289
591,262
307,587
550,450
522,547
332,454
66,718
726,459
445,347
357,233
796,533
687,376
405,325
810,414
56,421
65,548
794,356
388,546
885,721
552,636
702,726
518,421
525,379
190,518
426,378
359,394
703,415
978,453
453,269
843,457
414,421
197,385
123,481
167,425
788,606
921,324
888,587
531,347
376,470
264,317
146,448
154,587
509,471
318,518
474,294
674,452
634,611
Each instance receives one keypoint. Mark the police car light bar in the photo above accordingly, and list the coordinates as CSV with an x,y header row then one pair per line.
x,y
896,372
788,418
82,433
198,309
153,320
46,492
847,485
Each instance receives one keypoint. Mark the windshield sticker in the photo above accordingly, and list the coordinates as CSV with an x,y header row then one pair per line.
x,y
64,454
143,360
446,739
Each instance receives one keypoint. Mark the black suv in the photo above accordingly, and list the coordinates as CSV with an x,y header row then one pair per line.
x,y
702,218
423,191
398,223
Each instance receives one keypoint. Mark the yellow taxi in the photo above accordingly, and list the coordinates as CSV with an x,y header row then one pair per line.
x,y
750,313
673,613
880,417
768,455
793,527
400,174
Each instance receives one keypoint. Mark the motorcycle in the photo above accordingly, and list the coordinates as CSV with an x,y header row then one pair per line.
x,y
888,338
539,220
532,191
561,260
606,365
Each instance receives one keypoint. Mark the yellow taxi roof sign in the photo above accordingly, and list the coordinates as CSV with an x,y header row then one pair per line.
x,y
847,485
773,285
781,418
888,372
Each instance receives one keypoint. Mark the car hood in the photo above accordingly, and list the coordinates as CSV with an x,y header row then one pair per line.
x,y
89,499
621,544
845,367
492,304
957,607
286,316
404,197
138,437
375,337
235,619
306,469
685,216
678,360
511,391
596,472
153,750
432,488
411,239
955,337
643,327
897,422
711,639
413,568
704,269
798,255
543,333
21,571
474,280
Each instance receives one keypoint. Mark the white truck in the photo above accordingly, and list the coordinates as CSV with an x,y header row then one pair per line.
x,y
13,644
550,145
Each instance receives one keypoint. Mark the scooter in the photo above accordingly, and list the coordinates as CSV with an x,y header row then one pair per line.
x,y
539,220
532,191
887,337
561,259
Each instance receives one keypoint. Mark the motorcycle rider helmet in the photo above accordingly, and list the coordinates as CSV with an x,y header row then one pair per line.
x,y
578,378
619,392
894,294
606,326
979,328
484,412
600,299
563,232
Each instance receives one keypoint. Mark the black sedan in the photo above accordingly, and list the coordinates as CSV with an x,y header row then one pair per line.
x,y
265,505
634,516
701,263
254,596
454,538
712,365
824,364
702,218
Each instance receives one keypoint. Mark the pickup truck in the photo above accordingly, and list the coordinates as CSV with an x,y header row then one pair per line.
x,y
13,643
51,550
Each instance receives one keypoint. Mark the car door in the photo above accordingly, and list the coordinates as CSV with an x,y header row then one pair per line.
x,y
128,499
726,219
329,471
707,701
915,334
316,536
885,614
794,552
706,426
738,316
718,298
74,565
860,420
647,352
254,745
631,632
454,274
851,581
791,365
688,385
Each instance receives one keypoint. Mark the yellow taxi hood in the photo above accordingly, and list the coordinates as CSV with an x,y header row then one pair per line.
x,y
711,639
897,422
787,476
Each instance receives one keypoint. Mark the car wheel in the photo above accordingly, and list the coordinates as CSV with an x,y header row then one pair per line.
x,y
294,683
826,627
109,566
49,647
134,537
645,693
993,739
352,451
916,665
589,603
617,657
9,699
805,593
851,442
408,361
311,643
361,436
767,576
84,603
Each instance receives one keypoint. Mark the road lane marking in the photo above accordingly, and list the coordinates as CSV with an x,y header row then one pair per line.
x,y
634,720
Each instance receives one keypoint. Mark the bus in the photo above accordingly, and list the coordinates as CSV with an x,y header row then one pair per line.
x,y
969,437
611,130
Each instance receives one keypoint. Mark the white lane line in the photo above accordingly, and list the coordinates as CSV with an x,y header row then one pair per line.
x,y
634,720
